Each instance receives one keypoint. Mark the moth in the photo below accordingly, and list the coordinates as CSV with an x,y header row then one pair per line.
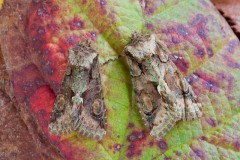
x,y
162,94
79,105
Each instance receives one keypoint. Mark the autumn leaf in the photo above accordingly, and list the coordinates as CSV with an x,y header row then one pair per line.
x,y
21,137
229,9
35,39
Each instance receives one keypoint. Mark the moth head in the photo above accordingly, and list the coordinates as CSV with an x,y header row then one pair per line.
x,y
141,47
82,55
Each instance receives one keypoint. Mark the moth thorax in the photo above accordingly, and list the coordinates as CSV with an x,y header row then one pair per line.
x,y
82,55
96,107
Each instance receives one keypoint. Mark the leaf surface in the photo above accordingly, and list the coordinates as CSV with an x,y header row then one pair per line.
x,y
203,47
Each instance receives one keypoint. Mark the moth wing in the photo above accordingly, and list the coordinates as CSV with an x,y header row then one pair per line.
x,y
162,94
92,119
178,99
155,105
187,106
79,106
162,50
193,108
157,116
163,122
61,121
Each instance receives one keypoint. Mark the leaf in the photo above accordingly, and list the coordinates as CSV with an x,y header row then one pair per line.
x,y
203,47
18,140
229,9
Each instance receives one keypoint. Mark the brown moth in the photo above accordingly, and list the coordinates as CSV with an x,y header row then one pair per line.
x,y
79,105
162,93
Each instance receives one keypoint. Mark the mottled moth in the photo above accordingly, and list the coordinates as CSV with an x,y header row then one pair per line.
x,y
162,93
79,105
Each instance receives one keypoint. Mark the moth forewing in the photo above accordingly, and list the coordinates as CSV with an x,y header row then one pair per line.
x,y
163,95
79,105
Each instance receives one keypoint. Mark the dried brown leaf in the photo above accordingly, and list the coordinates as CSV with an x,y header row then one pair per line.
x,y
230,11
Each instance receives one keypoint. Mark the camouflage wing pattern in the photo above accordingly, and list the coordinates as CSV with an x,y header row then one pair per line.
x,y
162,93
79,105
